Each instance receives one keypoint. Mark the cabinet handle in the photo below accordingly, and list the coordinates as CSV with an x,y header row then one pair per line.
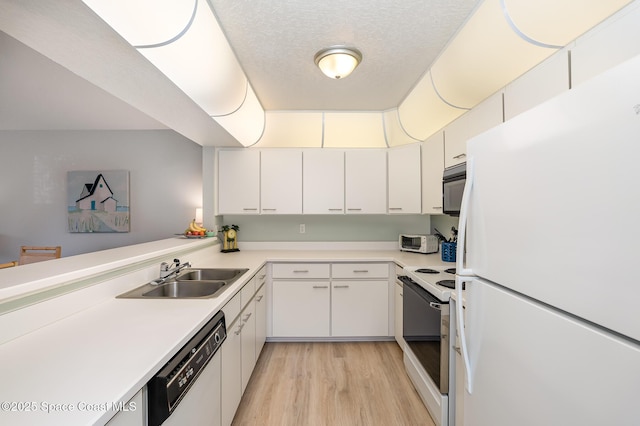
x,y
395,208
437,208
340,286
262,276
246,318
261,296
457,349
320,286
237,333
355,210
249,209
268,210
335,210
300,271
355,271
460,155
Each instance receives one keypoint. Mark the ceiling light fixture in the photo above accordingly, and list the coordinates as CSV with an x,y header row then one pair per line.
x,y
338,61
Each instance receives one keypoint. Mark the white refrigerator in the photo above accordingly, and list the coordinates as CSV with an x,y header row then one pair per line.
x,y
549,243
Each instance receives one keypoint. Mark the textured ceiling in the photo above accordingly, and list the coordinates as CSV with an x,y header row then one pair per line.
x,y
275,42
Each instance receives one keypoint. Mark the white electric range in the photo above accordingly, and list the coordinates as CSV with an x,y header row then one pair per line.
x,y
426,329
437,280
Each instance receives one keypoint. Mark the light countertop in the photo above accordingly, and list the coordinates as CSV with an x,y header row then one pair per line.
x,y
107,352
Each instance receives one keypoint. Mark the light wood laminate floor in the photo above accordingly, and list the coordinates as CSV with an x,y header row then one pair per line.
x,y
327,384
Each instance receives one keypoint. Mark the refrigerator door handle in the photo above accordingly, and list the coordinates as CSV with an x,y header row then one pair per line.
x,y
462,225
463,337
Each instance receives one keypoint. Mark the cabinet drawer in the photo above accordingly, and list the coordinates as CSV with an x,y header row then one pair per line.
x,y
247,292
301,270
360,270
231,309
261,278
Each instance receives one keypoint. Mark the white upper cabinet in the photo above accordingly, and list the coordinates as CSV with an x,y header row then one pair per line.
x,y
366,181
548,79
281,182
487,114
239,182
323,182
607,45
404,180
432,168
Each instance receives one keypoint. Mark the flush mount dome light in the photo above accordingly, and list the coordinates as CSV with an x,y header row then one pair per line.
x,y
338,61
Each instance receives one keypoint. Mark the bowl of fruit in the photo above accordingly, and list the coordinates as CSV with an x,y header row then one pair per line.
x,y
196,231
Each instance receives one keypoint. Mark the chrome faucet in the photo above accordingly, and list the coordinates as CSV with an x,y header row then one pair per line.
x,y
170,270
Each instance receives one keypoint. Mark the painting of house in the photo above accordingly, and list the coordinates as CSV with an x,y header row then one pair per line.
x,y
97,196
100,201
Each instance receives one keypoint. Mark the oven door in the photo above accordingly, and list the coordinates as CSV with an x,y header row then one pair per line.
x,y
426,332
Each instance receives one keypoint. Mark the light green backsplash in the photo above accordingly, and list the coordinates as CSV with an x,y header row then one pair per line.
x,y
443,223
328,228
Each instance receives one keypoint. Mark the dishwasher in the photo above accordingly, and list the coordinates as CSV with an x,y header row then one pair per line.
x,y
186,390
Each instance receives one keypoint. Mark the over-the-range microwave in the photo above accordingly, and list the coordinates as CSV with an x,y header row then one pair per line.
x,y
453,181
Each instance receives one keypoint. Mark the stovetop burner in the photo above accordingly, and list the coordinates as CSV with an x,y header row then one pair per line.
x,y
450,271
447,283
427,271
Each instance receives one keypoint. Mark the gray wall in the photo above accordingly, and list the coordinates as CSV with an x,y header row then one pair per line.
x,y
165,172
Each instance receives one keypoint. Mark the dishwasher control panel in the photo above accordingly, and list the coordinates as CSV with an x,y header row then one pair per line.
x,y
167,388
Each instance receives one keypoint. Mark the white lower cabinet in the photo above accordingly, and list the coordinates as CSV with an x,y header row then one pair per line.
x,y
301,308
359,308
246,330
231,372
398,315
341,300
261,319
248,342
135,414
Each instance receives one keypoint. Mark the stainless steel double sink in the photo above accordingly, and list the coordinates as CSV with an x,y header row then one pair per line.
x,y
190,283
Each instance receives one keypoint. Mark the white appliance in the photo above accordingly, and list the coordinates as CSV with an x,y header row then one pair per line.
x,y
418,243
552,330
426,330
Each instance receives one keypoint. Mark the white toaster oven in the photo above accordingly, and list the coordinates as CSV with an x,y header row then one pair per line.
x,y
418,243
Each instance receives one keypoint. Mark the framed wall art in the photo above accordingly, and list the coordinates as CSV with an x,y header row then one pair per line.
x,y
98,201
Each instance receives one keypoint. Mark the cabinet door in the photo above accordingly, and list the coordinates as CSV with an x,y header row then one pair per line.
x,y
261,319
404,179
301,308
547,80
398,315
132,417
360,308
231,372
366,181
281,182
484,116
239,182
248,337
432,168
323,182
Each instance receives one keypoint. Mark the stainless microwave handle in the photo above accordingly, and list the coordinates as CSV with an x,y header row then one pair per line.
x,y
435,305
